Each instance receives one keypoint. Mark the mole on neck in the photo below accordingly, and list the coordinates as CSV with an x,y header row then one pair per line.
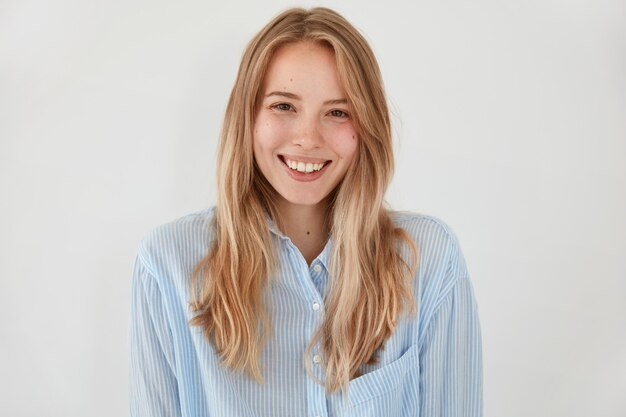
x,y
305,225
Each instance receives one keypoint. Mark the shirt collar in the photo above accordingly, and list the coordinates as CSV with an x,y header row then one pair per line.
x,y
273,228
324,256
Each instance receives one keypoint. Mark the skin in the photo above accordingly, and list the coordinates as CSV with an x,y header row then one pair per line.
x,y
304,113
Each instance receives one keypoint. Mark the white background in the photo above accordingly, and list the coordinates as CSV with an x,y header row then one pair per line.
x,y
510,125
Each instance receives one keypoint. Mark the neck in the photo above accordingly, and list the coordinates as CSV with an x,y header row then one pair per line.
x,y
306,226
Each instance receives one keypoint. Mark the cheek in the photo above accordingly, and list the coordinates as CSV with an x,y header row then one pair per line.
x,y
344,140
268,134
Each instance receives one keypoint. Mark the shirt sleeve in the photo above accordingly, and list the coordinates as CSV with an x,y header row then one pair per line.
x,y
153,389
451,381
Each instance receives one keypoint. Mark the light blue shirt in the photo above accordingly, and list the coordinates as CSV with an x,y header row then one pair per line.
x,y
430,367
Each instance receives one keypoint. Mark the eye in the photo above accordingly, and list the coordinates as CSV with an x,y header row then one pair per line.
x,y
282,107
339,113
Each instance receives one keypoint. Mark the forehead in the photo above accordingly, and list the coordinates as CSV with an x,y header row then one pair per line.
x,y
306,66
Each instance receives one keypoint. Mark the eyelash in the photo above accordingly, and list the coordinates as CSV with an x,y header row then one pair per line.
x,y
344,115
280,107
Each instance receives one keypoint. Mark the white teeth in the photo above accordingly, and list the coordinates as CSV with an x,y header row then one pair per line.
x,y
304,166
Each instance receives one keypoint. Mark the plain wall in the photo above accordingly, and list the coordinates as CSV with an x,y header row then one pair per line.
x,y
509,122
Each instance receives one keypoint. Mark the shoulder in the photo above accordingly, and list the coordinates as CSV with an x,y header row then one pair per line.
x,y
184,240
428,232
440,258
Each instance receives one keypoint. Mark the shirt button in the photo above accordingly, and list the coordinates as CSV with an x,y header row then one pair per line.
x,y
317,359
317,268
316,306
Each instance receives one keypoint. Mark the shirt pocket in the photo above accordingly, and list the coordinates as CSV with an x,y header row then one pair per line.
x,y
383,391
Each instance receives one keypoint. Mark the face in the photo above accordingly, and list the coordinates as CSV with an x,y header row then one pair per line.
x,y
304,137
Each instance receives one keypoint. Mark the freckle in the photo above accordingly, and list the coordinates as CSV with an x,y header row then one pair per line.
x,y
291,79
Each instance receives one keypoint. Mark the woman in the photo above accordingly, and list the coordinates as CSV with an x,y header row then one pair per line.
x,y
300,294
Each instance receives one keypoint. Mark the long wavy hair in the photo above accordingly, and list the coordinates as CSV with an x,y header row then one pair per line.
x,y
370,281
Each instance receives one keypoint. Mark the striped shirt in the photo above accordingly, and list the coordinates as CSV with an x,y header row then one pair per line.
x,y
430,366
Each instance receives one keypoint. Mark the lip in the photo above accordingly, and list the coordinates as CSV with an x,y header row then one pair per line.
x,y
303,158
303,176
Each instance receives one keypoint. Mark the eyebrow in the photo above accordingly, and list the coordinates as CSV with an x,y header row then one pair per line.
x,y
297,97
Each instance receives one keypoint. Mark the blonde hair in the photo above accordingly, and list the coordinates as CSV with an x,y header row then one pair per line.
x,y
370,281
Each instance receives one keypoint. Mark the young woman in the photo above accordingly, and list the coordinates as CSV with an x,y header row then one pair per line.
x,y
299,293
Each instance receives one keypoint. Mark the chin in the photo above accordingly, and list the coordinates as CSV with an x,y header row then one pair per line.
x,y
304,200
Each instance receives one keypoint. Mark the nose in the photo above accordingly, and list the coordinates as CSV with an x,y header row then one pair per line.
x,y
308,134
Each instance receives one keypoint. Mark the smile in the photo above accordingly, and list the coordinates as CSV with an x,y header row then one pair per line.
x,y
303,166
304,170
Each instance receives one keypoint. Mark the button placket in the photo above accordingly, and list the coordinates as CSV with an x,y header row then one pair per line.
x,y
317,274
